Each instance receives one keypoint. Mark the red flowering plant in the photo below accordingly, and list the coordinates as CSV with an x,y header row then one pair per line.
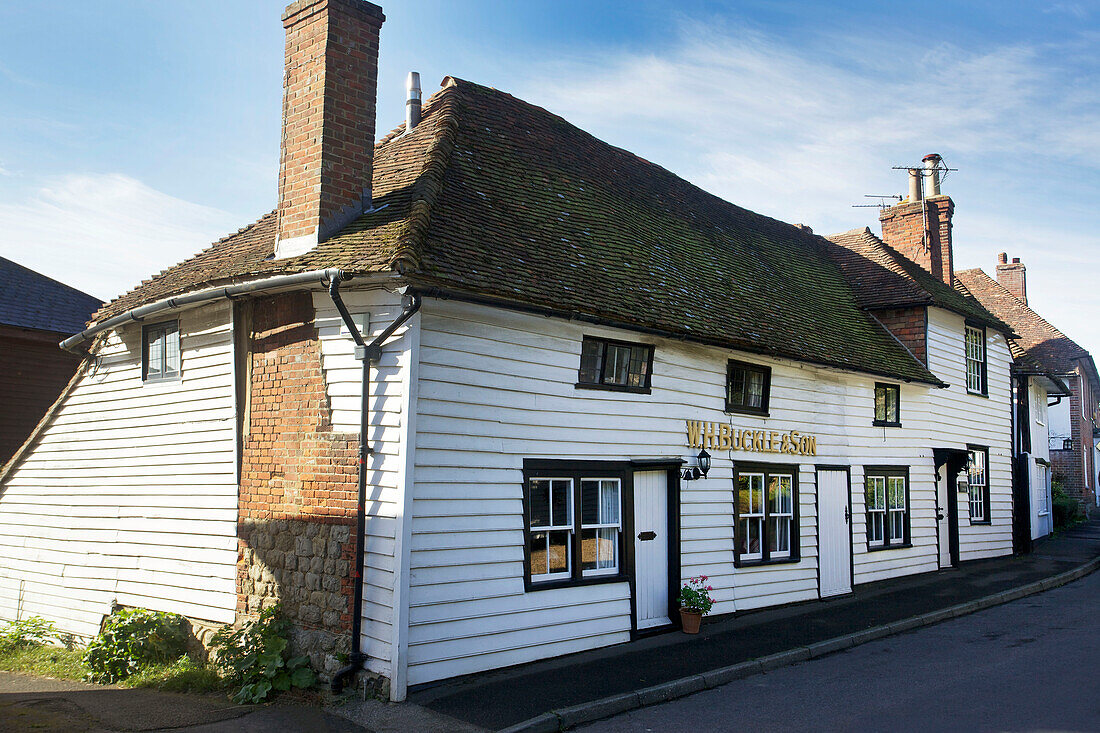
x,y
695,595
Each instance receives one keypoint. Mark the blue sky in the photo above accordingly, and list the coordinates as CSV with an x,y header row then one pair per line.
x,y
134,133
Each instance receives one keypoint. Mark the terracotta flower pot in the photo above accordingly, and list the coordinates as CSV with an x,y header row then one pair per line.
x,y
690,620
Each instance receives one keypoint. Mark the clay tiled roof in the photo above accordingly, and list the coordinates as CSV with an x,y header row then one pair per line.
x,y
1041,346
493,198
884,278
31,300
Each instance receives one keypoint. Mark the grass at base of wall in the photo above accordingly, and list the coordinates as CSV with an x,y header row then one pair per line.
x,y
183,675
44,661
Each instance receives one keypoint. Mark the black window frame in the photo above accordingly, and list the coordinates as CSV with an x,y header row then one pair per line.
x,y
742,409
888,472
768,469
984,391
896,388
984,450
170,326
538,468
599,383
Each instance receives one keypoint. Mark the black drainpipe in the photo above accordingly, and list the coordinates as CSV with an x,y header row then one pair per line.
x,y
367,353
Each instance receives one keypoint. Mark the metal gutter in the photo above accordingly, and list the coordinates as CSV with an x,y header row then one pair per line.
x,y
136,315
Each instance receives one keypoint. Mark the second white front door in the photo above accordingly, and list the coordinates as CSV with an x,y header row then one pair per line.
x,y
834,535
651,538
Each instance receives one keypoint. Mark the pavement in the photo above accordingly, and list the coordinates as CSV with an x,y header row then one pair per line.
x,y
596,684
586,687
1028,665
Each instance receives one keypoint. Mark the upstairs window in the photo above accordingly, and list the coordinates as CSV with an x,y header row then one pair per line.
x,y
977,484
975,360
747,388
160,352
887,404
615,365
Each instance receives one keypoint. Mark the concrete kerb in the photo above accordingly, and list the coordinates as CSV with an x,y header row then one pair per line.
x,y
587,712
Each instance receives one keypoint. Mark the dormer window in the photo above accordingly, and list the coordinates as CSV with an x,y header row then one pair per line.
x,y
615,365
975,360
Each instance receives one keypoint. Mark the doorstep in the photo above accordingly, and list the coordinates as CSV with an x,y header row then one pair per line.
x,y
603,682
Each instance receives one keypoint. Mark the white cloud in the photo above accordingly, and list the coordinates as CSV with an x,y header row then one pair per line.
x,y
105,233
801,129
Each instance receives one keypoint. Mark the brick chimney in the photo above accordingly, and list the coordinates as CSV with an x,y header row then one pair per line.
x,y
1012,276
329,90
920,227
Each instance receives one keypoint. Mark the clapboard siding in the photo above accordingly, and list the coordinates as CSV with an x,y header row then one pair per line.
x,y
343,383
130,494
957,419
496,387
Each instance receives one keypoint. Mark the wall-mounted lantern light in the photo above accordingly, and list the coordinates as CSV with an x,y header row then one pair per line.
x,y
700,471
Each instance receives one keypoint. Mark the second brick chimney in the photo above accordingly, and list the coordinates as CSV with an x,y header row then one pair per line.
x,y
329,91
1012,276
920,227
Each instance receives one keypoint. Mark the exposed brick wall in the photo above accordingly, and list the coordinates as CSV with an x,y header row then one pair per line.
x,y
329,90
298,489
1012,276
1077,467
910,326
903,229
33,371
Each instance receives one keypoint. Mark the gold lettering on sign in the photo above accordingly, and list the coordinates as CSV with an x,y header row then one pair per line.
x,y
720,436
725,442
695,433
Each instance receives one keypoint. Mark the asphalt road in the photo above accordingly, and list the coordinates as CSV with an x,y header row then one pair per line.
x,y
1029,665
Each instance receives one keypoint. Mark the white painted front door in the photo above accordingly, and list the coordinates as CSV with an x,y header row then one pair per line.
x,y
651,548
833,532
943,524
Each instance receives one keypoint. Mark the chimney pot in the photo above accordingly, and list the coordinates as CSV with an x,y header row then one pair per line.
x,y
1002,258
932,171
1015,260
412,101
914,185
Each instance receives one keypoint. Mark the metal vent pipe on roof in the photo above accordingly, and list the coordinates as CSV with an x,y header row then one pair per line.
x,y
412,101
932,170
914,185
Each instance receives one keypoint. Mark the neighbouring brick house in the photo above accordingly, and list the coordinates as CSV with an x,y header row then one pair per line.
x,y
487,391
1073,420
1045,365
35,313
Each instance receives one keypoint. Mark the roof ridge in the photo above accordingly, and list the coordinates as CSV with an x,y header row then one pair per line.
x,y
1005,291
425,190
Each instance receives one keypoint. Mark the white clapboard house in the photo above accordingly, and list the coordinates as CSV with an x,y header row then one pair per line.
x,y
556,336
1045,361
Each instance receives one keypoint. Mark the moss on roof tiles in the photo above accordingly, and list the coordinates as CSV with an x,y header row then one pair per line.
x,y
493,197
